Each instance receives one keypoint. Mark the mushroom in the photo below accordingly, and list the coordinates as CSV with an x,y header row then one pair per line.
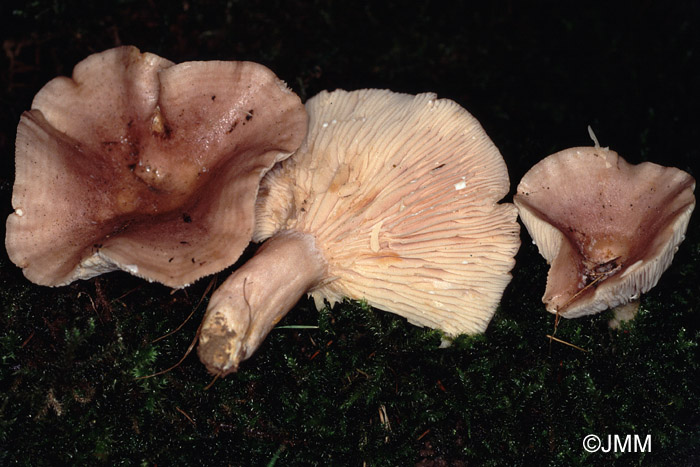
x,y
392,198
146,166
609,229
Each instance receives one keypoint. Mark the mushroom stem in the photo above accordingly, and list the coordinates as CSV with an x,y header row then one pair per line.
x,y
256,297
626,312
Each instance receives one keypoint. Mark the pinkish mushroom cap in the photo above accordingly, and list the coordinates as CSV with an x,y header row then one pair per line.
x,y
138,164
609,229
392,198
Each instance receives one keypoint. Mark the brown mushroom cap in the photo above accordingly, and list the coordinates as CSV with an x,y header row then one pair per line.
x,y
400,193
608,228
142,165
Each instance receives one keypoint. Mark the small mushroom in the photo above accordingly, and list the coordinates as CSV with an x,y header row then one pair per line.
x,y
143,165
391,198
609,229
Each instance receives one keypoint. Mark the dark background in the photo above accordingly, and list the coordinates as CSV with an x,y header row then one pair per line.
x,y
535,75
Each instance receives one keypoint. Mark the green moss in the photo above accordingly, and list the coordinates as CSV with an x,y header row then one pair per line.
x,y
363,386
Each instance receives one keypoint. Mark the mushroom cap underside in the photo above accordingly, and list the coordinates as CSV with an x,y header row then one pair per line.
x,y
608,228
401,193
139,164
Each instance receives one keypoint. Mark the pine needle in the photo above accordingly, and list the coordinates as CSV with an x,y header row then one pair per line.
x,y
552,338
186,416
189,349
211,285
206,388
194,341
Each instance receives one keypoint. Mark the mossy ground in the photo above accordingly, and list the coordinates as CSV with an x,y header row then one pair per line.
x,y
364,386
